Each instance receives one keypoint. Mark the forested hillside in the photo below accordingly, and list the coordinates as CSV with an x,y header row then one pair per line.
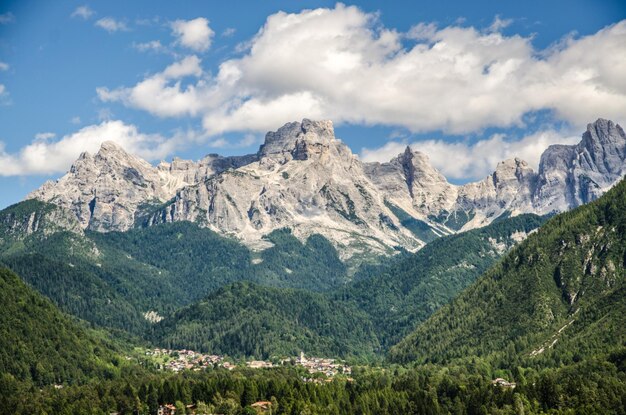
x,y
113,279
245,319
41,345
557,298
404,292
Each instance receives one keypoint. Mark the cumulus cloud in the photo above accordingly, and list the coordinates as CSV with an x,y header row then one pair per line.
x,y
193,34
84,12
4,66
246,141
499,24
44,156
228,32
151,46
44,136
111,25
464,160
343,64
163,93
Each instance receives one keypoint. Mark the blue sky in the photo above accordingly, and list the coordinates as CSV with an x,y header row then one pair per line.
x,y
167,80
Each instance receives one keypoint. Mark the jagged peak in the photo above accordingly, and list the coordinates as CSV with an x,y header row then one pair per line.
x,y
601,124
512,169
513,162
410,154
84,155
112,154
109,146
297,136
603,131
321,128
416,158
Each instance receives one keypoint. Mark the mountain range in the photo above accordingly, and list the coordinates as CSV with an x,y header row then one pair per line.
x,y
481,289
305,179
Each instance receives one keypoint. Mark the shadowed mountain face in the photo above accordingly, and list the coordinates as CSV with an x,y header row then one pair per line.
x,y
305,179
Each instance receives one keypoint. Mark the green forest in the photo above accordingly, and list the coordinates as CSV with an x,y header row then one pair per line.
x,y
426,332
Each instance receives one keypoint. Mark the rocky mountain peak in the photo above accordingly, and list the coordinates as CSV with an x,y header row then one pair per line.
x,y
109,146
512,169
603,147
604,132
406,160
299,140
417,167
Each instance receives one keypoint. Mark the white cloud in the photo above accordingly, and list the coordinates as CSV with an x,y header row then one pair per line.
x,y
84,12
193,34
151,46
342,64
499,24
44,136
75,120
464,160
228,32
163,93
111,25
4,95
247,140
188,66
43,156
7,17
4,66
105,114
422,31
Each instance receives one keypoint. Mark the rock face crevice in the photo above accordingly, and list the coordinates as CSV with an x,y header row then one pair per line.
x,y
409,169
305,179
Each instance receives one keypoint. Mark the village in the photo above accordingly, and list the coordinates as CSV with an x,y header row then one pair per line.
x,y
319,370
179,360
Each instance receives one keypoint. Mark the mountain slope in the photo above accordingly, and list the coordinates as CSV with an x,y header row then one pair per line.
x,y
113,279
63,265
40,344
560,293
387,300
246,319
406,291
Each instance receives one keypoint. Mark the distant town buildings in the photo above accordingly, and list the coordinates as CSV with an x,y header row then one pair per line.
x,y
503,383
179,360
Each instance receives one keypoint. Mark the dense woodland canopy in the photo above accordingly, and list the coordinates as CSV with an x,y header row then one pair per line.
x,y
563,290
564,283
112,279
